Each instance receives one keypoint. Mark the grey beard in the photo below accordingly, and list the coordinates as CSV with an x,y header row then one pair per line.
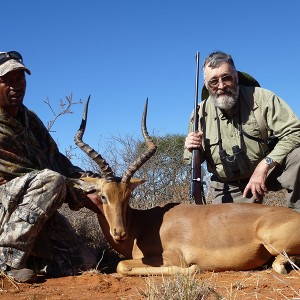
x,y
225,102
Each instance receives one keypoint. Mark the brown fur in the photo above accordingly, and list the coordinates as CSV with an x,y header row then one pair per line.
x,y
178,238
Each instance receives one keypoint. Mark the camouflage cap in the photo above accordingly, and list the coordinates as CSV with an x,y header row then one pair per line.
x,y
12,64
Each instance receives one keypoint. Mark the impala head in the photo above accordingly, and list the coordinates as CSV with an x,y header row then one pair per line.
x,y
114,191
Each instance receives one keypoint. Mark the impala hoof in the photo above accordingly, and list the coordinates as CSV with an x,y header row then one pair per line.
x,y
123,268
279,264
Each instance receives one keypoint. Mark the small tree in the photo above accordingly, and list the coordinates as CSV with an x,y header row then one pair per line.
x,y
167,176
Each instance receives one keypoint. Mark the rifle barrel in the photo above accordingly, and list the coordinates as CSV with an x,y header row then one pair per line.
x,y
196,189
196,94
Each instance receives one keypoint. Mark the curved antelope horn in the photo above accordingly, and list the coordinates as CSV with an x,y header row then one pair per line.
x,y
144,156
106,171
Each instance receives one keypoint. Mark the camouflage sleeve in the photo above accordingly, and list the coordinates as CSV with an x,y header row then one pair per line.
x,y
58,161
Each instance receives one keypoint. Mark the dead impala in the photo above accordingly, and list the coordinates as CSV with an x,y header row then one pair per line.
x,y
179,238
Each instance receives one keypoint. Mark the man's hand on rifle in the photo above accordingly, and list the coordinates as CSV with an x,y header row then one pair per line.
x,y
194,141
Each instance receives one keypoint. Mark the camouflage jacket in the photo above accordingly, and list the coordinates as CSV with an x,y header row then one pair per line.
x,y
26,146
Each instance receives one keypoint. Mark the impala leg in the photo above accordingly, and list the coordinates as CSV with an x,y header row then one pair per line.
x,y
281,262
134,267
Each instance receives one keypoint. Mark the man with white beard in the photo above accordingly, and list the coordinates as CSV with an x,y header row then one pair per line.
x,y
248,136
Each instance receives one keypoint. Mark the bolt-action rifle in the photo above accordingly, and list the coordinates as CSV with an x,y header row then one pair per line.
x,y
196,188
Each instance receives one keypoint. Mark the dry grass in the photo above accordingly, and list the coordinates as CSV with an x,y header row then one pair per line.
x,y
8,279
271,198
252,285
179,287
275,198
86,225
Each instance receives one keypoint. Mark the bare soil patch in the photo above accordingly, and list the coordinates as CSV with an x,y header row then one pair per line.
x,y
263,284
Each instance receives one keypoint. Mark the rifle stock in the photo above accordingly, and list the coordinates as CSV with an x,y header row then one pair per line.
x,y
196,188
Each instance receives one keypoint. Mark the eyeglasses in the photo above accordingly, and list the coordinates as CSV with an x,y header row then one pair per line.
x,y
227,80
10,55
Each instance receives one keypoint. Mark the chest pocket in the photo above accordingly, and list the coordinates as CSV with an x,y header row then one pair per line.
x,y
251,127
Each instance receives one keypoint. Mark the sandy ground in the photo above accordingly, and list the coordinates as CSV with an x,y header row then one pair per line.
x,y
230,285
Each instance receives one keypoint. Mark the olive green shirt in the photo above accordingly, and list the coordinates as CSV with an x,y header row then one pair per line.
x,y
279,119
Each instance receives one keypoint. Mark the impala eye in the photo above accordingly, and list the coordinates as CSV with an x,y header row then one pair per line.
x,y
103,199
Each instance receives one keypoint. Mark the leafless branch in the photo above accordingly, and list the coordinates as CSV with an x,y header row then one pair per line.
x,y
64,108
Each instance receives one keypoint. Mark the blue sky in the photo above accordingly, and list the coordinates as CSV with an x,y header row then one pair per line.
x,y
122,52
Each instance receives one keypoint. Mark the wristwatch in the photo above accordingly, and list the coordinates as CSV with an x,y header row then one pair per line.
x,y
269,161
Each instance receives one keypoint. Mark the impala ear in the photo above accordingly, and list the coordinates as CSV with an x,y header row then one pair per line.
x,y
134,182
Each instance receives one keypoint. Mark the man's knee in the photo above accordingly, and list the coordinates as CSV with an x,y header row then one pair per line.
x,y
52,179
47,191
291,173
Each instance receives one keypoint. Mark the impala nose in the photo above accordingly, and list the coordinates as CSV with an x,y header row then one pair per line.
x,y
119,235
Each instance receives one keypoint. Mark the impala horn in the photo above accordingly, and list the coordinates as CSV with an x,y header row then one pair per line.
x,y
151,148
106,171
